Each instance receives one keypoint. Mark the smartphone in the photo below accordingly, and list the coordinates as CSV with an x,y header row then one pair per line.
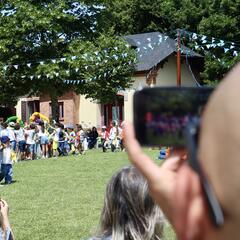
x,y
162,113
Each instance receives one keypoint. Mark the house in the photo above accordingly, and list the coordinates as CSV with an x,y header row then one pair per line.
x,y
156,66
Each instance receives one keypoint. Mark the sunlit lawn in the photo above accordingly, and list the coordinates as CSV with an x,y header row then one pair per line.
x,y
61,198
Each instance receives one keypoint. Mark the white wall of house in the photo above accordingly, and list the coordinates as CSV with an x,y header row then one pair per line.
x,y
128,105
19,108
89,113
168,74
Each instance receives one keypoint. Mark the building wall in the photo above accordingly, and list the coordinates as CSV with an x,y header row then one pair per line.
x,y
71,103
19,109
166,76
89,113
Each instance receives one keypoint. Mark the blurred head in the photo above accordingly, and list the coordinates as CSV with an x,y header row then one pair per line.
x,y
17,126
4,125
79,127
129,212
32,126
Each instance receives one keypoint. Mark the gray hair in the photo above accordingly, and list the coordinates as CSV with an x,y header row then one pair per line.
x,y
129,213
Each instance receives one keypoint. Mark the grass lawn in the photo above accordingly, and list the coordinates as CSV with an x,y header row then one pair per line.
x,y
62,198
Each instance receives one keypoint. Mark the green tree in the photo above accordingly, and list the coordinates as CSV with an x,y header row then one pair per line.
x,y
219,19
42,43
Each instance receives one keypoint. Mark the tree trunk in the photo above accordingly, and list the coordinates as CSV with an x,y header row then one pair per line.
x,y
54,105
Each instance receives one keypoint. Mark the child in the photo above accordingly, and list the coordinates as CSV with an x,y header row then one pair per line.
x,y
54,139
30,141
6,166
71,140
104,138
80,139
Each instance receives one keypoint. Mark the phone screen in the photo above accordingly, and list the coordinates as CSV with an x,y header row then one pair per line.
x,y
161,114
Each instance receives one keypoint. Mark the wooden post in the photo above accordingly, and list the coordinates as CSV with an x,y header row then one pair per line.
x,y
179,80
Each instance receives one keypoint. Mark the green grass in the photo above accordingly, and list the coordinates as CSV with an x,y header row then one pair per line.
x,y
61,198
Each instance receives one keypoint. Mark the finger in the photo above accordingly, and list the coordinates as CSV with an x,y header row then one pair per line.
x,y
145,165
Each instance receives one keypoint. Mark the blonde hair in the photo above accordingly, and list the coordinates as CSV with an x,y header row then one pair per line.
x,y
129,213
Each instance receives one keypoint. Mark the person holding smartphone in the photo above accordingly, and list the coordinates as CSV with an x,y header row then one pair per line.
x,y
200,195
5,229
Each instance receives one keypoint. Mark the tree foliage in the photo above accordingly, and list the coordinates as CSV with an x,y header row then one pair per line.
x,y
218,19
36,35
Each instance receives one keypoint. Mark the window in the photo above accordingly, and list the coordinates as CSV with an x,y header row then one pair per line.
x,y
60,109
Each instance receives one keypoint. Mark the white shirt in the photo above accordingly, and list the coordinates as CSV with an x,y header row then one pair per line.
x,y
20,135
4,132
113,133
6,156
11,134
30,136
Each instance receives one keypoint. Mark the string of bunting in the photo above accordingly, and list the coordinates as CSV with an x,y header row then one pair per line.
x,y
102,57
203,42
85,56
150,45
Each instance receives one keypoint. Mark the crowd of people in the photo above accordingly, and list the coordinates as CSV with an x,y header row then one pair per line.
x,y
42,140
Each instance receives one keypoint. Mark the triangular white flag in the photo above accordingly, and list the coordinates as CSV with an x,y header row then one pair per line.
x,y
77,69
41,63
194,36
31,77
62,59
29,65
16,66
73,57
53,60
235,53
226,50
39,76
5,67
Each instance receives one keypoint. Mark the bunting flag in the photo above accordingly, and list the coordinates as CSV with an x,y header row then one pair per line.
x,y
203,41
